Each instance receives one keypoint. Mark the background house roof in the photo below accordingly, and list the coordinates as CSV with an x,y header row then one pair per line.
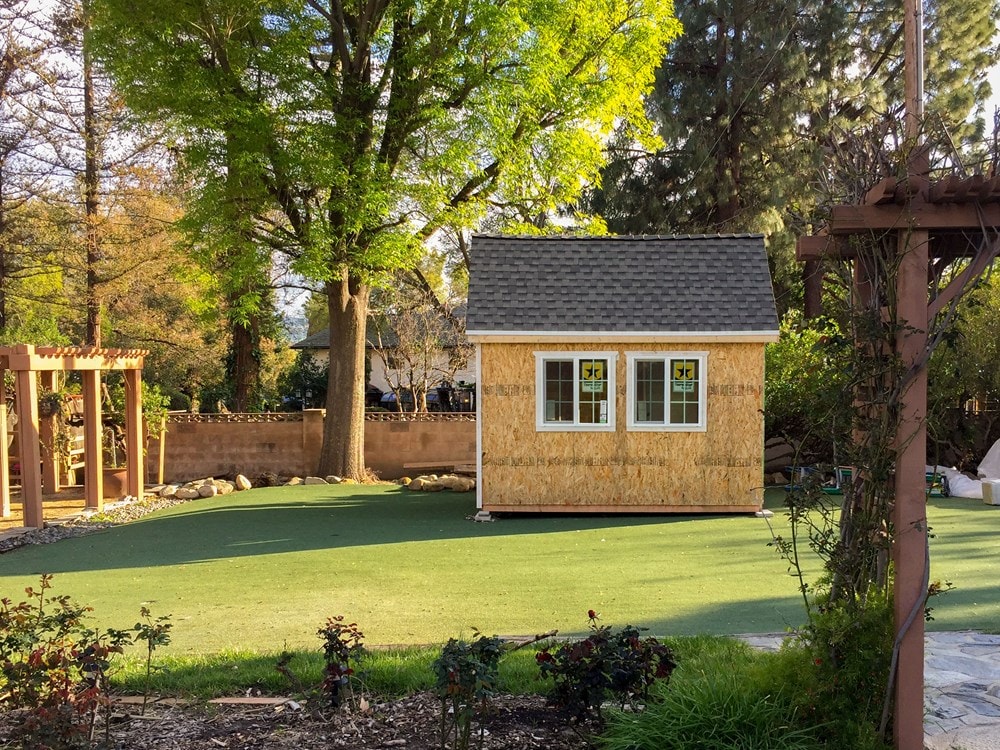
x,y
689,283
449,336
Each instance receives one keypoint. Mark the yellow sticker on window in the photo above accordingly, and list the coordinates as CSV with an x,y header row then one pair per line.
x,y
683,370
593,370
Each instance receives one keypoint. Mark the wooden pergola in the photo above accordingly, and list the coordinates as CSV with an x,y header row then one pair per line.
x,y
25,361
933,224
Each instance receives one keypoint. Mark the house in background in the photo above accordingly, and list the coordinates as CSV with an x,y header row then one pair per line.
x,y
413,353
620,373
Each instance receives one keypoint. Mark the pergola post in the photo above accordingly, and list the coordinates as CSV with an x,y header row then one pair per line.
x,y
27,433
93,448
909,550
134,433
5,462
47,428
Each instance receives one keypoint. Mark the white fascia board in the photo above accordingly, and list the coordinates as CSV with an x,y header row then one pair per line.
x,y
647,337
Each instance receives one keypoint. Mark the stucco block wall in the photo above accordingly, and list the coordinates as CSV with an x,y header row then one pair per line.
x,y
720,469
290,445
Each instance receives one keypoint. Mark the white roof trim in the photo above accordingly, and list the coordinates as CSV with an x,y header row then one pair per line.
x,y
651,337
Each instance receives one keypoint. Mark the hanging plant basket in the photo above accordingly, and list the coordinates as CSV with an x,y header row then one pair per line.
x,y
49,404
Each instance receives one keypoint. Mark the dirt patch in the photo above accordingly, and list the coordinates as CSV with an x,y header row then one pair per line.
x,y
512,723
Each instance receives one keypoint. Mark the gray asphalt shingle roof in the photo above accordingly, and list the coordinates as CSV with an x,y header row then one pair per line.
x,y
650,284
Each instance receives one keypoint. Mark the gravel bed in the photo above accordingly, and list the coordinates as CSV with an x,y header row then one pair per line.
x,y
113,516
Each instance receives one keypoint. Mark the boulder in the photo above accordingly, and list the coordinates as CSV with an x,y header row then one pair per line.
x,y
777,455
314,480
416,484
224,487
333,479
186,493
293,482
432,487
405,481
168,490
208,490
242,483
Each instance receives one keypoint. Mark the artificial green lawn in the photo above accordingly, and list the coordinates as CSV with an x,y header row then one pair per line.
x,y
261,570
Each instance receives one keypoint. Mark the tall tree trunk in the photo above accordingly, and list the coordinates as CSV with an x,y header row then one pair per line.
x,y
244,361
244,329
91,182
343,451
4,254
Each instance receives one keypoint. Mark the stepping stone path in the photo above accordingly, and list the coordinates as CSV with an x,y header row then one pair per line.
x,y
961,688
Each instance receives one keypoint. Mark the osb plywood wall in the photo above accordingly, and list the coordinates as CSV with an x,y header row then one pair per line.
x,y
716,470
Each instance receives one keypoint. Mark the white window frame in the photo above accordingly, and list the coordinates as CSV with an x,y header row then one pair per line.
x,y
632,425
541,357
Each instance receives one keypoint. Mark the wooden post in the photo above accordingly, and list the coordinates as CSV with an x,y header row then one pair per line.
x,y
910,511
5,462
27,433
47,429
163,449
133,433
93,447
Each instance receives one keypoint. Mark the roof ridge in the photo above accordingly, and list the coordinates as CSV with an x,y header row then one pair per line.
x,y
612,237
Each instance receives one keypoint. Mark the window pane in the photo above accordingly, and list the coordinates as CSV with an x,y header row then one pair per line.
x,y
649,390
558,390
593,391
684,391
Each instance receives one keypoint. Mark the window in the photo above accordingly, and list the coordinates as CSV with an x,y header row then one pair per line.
x,y
667,391
575,390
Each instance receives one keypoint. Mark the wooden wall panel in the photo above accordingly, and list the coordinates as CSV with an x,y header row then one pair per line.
x,y
720,469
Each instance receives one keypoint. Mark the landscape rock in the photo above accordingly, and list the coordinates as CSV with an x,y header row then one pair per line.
x,y
405,481
242,483
348,481
224,487
208,490
416,484
186,493
314,480
293,482
333,479
168,491
432,487
457,484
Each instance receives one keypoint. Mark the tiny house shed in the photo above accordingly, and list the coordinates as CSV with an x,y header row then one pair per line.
x,y
620,373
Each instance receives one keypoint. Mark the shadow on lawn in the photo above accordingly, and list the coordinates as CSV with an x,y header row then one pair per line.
x,y
295,519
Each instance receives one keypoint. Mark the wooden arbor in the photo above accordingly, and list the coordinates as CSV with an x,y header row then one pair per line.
x,y
25,360
934,224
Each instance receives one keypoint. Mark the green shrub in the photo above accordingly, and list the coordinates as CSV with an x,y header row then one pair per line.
x,y
728,697
808,370
621,665
466,678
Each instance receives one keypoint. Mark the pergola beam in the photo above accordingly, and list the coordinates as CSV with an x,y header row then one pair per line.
x,y
920,216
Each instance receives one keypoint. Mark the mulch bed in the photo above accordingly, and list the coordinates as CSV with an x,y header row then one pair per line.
x,y
512,723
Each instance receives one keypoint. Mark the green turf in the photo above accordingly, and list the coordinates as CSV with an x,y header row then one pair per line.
x,y
261,570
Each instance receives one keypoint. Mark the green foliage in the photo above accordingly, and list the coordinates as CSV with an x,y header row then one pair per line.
x,y
303,376
342,647
726,697
54,666
153,633
466,677
963,369
621,664
808,370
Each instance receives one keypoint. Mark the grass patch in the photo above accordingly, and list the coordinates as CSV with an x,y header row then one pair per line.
x,y
388,673
260,571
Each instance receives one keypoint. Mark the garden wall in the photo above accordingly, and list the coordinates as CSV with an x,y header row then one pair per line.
x,y
201,445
